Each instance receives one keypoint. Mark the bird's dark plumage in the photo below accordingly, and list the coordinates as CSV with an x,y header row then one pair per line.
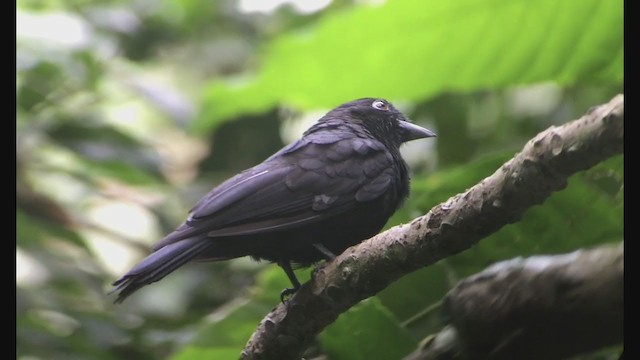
x,y
335,187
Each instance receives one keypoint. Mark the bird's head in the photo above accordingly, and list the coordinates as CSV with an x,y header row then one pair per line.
x,y
381,120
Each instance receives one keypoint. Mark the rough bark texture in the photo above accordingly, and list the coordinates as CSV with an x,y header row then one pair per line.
x,y
542,307
542,167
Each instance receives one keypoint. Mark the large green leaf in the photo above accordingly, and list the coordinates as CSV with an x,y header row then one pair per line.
x,y
413,50
207,353
367,331
415,298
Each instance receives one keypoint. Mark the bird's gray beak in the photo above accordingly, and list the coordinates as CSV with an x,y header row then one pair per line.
x,y
412,131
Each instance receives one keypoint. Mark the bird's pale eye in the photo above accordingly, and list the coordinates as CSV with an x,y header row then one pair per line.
x,y
380,105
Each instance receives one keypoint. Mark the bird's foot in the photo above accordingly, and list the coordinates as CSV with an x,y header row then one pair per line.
x,y
286,294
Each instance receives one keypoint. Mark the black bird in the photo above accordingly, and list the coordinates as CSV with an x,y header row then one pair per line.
x,y
335,187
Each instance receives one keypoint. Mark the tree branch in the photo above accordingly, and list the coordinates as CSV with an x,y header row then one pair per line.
x,y
542,167
541,307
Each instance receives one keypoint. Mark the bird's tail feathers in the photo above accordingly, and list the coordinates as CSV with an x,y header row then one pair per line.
x,y
158,265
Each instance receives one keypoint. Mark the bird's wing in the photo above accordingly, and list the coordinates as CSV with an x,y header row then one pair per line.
x,y
304,183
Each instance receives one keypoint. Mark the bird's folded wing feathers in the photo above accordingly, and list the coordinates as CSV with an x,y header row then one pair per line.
x,y
312,183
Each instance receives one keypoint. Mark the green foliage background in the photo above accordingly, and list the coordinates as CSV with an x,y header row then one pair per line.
x,y
129,111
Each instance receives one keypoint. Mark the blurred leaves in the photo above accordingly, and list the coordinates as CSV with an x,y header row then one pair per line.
x,y
227,329
107,151
34,230
415,50
367,331
105,91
